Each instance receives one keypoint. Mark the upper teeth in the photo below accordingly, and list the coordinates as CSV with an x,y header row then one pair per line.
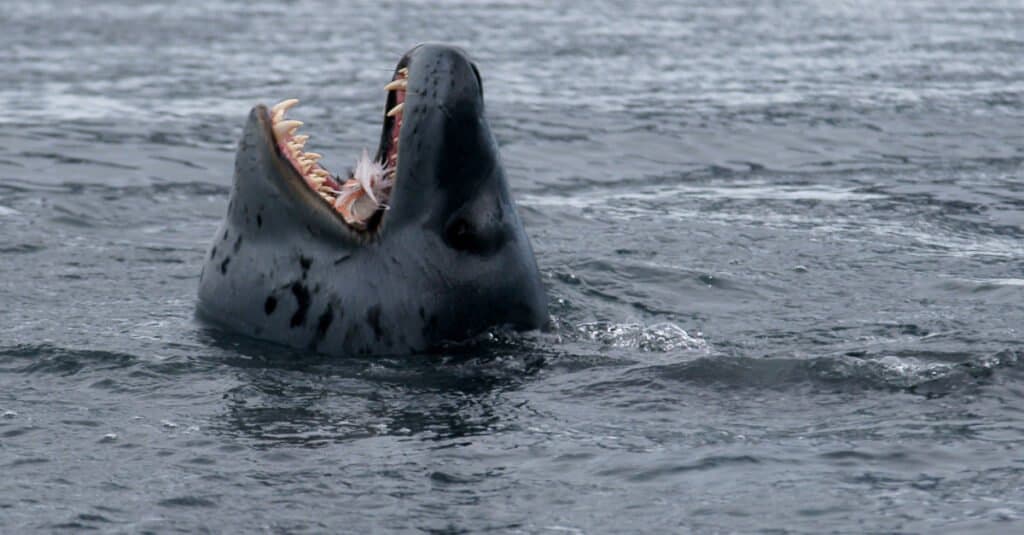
x,y
400,84
396,110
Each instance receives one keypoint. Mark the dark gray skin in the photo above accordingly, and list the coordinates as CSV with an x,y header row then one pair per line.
x,y
448,260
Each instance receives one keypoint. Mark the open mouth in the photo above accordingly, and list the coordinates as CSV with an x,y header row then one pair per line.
x,y
361,195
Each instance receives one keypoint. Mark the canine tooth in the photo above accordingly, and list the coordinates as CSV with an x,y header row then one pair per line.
x,y
301,140
286,128
284,105
312,156
404,71
400,84
396,110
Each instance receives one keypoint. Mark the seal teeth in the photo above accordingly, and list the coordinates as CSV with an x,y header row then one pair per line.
x,y
400,84
279,109
315,181
396,110
284,105
284,129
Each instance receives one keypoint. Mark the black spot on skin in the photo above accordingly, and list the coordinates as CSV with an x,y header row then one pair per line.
x,y
270,305
224,265
259,220
430,327
350,333
238,243
323,324
213,252
225,238
302,300
305,263
342,259
373,318
423,314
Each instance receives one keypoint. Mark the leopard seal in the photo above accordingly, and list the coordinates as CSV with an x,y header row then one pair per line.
x,y
444,258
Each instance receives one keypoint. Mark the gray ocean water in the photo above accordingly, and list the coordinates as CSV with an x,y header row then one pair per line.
x,y
782,242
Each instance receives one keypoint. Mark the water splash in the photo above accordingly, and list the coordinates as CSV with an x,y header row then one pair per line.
x,y
659,337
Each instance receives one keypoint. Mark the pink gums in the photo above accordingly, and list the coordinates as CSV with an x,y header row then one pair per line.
x,y
396,128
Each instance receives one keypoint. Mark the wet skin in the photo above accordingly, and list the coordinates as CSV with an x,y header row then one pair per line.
x,y
448,260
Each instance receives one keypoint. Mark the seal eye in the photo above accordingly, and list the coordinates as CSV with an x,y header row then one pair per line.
x,y
477,231
459,235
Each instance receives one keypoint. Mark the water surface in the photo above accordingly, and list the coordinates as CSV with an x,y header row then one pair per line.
x,y
782,242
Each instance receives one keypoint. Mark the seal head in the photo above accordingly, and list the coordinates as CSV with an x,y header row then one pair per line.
x,y
420,246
